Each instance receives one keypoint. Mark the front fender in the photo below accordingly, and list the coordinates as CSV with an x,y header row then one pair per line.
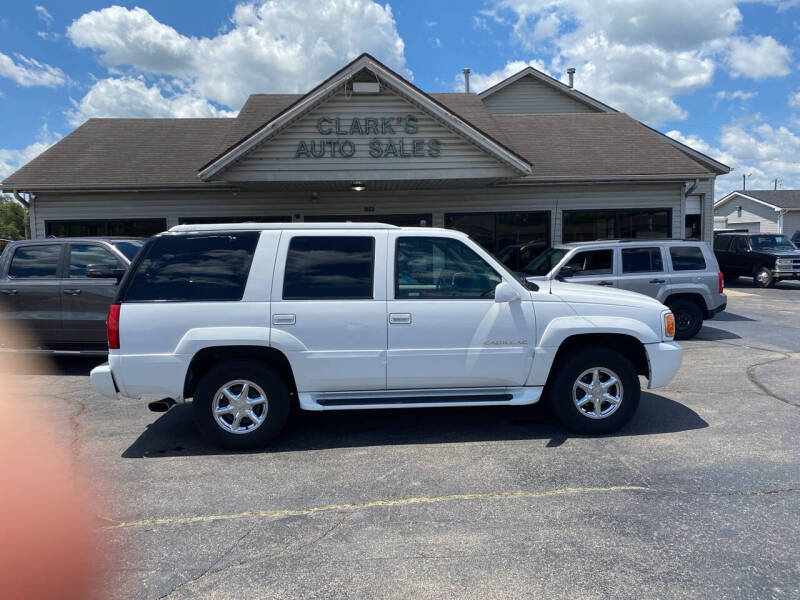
x,y
561,328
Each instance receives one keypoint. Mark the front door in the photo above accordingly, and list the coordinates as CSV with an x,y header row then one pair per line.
x,y
85,301
445,329
329,309
643,271
593,267
32,293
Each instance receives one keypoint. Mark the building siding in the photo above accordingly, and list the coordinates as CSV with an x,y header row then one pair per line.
x,y
791,222
172,206
275,159
528,96
751,212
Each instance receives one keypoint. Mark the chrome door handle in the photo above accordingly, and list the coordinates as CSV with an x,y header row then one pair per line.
x,y
400,318
284,319
606,283
72,292
9,292
658,281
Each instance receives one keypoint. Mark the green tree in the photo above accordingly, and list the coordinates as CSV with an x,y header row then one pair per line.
x,y
12,218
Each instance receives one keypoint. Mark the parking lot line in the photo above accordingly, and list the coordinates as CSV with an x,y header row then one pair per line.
x,y
737,293
250,514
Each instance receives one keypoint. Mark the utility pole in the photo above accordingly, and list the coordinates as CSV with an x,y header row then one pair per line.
x,y
744,182
777,179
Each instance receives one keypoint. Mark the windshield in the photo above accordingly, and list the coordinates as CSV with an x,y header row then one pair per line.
x,y
129,248
544,263
771,242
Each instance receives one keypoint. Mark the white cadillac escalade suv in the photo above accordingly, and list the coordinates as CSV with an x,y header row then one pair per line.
x,y
248,319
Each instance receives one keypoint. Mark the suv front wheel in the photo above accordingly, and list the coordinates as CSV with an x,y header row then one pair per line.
x,y
595,391
241,404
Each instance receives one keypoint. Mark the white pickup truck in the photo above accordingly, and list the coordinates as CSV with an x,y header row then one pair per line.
x,y
248,319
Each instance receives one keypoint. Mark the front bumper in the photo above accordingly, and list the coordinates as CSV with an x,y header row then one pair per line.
x,y
103,381
665,360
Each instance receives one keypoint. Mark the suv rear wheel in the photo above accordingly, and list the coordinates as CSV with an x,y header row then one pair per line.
x,y
241,404
688,317
595,391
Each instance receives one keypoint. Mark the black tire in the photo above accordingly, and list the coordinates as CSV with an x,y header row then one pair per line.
x,y
688,317
262,375
763,277
561,391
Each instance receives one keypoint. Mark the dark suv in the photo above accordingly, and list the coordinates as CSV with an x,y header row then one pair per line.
x,y
766,257
58,291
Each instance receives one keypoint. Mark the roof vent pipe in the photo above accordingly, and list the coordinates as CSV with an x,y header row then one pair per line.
x,y
466,80
571,73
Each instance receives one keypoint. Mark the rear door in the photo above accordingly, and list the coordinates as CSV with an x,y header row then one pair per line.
x,y
328,309
593,267
643,271
85,301
32,292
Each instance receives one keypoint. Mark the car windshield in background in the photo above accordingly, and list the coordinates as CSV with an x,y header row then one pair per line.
x,y
771,242
544,263
130,249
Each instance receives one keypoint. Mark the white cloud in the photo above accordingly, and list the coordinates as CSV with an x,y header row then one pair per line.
x,y
794,99
479,82
44,15
29,72
758,57
13,159
130,97
270,47
431,23
740,95
759,150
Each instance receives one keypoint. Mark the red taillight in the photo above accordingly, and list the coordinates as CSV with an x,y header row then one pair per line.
x,y
721,282
112,327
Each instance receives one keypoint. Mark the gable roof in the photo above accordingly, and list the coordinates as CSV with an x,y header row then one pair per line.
x,y
551,82
330,86
776,199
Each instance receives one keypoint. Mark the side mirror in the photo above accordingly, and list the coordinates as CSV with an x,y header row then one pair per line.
x,y
505,293
104,272
566,271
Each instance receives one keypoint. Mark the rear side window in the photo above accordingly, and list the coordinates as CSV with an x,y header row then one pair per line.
x,y
184,268
83,255
687,258
35,262
329,268
722,243
641,260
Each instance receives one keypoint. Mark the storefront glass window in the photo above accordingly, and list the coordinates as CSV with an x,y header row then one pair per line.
x,y
584,226
106,227
589,225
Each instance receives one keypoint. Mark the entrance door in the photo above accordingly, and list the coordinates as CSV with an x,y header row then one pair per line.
x,y
445,329
329,308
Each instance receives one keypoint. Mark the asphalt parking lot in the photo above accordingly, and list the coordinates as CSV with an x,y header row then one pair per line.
x,y
699,496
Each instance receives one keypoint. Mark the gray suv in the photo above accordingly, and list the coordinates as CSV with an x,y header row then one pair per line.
x,y
58,290
684,275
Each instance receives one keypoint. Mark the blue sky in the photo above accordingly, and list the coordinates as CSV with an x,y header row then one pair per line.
x,y
720,75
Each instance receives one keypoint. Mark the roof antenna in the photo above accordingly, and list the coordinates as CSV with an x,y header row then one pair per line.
x,y
571,73
466,80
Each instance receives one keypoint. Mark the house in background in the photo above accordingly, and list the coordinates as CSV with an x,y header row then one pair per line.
x,y
759,211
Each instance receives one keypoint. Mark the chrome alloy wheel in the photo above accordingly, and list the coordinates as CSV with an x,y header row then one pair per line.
x,y
597,392
240,406
763,276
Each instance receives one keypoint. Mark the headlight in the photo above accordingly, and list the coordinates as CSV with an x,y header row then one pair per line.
x,y
669,325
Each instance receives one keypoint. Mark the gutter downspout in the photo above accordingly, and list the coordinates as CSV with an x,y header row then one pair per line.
x,y
691,187
781,212
28,204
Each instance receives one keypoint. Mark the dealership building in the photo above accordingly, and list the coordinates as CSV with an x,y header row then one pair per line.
x,y
528,162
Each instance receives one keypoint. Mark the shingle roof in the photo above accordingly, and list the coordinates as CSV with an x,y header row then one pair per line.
x,y
125,152
593,144
168,152
779,198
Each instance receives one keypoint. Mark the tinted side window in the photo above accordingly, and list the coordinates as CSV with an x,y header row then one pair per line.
x,y
687,258
593,262
207,267
83,255
435,268
722,243
35,262
641,260
739,244
329,268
